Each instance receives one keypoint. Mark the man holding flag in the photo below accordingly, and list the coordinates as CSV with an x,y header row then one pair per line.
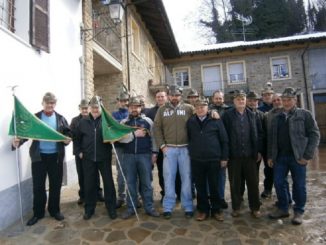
x,y
47,152
96,156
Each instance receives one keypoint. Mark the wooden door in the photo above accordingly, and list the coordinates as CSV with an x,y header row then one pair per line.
x,y
320,113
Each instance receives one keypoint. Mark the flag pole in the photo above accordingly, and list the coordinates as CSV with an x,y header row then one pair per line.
x,y
17,160
124,178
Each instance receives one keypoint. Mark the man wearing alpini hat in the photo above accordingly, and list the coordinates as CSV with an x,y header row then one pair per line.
x,y
292,143
208,149
171,137
47,159
96,156
137,159
245,141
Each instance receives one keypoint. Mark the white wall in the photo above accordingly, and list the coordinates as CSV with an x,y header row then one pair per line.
x,y
37,73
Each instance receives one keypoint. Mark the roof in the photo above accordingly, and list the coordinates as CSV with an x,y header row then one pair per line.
x,y
156,20
254,44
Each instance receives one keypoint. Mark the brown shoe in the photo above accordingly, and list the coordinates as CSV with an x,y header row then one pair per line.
x,y
235,213
201,216
218,216
256,214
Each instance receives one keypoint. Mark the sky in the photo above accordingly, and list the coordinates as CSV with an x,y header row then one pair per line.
x,y
181,13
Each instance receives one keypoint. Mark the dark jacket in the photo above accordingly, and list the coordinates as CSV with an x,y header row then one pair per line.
x,y
208,140
303,131
62,127
73,127
256,137
138,145
261,127
219,108
89,140
265,107
151,112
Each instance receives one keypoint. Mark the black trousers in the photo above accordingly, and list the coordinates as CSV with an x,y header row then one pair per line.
x,y
91,169
240,169
243,182
159,163
49,165
268,173
203,171
80,174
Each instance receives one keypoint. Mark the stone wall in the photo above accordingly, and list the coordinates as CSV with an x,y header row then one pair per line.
x,y
257,66
88,50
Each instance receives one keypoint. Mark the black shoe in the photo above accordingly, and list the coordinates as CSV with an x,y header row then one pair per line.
x,y
58,216
189,214
167,215
87,216
33,221
266,194
224,204
153,213
119,204
80,201
112,214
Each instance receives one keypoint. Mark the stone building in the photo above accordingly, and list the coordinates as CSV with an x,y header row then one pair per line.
x,y
128,55
297,61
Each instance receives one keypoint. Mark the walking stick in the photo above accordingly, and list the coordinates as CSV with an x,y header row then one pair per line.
x,y
124,178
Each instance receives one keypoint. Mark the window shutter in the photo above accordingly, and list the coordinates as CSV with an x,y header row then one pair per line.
x,y
40,24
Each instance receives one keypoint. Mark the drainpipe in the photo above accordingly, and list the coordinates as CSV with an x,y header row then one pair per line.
x,y
127,48
305,76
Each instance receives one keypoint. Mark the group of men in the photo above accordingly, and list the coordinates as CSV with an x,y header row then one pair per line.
x,y
195,140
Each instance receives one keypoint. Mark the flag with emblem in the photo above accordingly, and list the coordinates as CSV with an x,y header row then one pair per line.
x,y
26,125
111,129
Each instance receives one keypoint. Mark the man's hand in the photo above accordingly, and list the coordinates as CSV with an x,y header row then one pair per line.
x,y
140,133
80,155
270,163
164,149
224,164
15,142
259,157
154,158
303,161
215,115
67,141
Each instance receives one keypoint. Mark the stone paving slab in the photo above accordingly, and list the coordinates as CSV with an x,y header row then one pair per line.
x,y
100,229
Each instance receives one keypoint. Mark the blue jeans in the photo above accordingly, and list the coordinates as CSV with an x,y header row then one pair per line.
x,y
120,180
221,182
177,158
282,167
139,166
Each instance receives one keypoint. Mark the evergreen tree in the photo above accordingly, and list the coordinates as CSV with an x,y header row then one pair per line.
x,y
271,18
321,17
296,18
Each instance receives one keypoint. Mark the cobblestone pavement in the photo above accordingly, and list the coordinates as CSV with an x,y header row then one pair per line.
x,y
100,229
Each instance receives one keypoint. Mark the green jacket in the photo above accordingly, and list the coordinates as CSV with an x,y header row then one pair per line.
x,y
170,124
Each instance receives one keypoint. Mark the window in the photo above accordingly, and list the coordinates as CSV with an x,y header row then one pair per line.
x,y
236,72
40,24
135,38
7,14
212,78
280,68
181,77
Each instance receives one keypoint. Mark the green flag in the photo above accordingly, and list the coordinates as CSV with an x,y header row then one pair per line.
x,y
111,129
28,126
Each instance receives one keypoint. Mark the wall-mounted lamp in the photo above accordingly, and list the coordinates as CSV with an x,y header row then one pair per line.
x,y
116,9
